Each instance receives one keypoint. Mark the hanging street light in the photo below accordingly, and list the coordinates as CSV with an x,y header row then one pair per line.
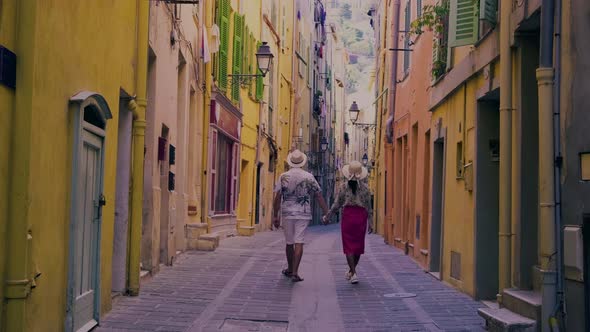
x,y
354,112
354,116
365,159
324,144
264,60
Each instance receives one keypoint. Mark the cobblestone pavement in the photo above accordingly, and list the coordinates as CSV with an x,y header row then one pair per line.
x,y
239,288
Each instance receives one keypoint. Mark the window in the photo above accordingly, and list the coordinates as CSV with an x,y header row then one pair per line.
x,y
273,14
223,173
212,168
270,101
223,164
302,65
407,34
259,81
418,8
283,21
465,16
440,49
237,54
246,51
224,12
309,64
252,62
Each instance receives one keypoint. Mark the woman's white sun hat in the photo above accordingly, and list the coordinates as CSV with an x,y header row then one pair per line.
x,y
296,159
354,171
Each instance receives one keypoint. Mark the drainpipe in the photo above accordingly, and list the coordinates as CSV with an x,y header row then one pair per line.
x,y
294,79
208,77
545,77
138,107
18,280
559,311
505,199
393,72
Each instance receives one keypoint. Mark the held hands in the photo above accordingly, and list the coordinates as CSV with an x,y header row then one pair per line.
x,y
326,219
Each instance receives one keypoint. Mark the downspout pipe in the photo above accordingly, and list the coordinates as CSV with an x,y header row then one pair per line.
x,y
208,77
547,211
393,72
505,199
138,107
559,311
294,78
18,279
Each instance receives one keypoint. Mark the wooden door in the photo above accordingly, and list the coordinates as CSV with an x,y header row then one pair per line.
x,y
86,233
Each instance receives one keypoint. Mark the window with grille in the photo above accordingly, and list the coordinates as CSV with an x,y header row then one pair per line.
x,y
440,48
418,8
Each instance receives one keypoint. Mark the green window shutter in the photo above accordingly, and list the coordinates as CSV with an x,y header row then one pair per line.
x,y
237,55
488,10
259,80
224,10
246,52
464,22
250,60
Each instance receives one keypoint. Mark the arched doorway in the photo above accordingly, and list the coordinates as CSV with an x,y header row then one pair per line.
x,y
91,113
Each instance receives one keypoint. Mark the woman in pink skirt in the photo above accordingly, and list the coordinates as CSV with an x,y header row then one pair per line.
x,y
354,197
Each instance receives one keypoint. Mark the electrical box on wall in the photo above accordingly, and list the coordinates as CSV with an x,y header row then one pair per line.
x,y
7,67
573,253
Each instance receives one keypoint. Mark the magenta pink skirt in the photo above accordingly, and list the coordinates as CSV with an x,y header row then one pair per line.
x,y
354,228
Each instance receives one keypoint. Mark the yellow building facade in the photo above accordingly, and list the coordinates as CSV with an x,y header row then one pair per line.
x,y
251,120
61,126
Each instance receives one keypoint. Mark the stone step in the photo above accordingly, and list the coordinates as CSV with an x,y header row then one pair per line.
x,y
246,230
192,234
523,302
144,276
207,242
504,320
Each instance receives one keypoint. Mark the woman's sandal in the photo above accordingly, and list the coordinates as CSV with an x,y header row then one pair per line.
x,y
287,273
296,278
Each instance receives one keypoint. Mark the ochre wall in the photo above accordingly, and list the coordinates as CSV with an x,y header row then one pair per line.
x,y
73,46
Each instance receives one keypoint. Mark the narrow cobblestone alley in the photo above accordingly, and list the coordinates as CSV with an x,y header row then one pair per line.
x,y
239,288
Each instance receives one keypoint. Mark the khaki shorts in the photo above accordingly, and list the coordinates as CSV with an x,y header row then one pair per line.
x,y
295,230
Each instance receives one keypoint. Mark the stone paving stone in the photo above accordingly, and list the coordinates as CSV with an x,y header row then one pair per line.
x,y
178,296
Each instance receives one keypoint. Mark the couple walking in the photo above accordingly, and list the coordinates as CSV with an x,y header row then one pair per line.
x,y
293,194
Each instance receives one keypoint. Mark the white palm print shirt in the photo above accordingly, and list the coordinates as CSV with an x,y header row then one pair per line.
x,y
297,187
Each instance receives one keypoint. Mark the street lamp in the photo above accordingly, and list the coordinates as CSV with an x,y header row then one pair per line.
x,y
354,116
264,61
365,160
324,144
264,58
354,112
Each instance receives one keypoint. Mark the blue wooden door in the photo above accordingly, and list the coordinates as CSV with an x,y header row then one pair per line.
x,y
87,233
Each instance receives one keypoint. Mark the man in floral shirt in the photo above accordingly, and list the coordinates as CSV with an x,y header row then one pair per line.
x,y
293,194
